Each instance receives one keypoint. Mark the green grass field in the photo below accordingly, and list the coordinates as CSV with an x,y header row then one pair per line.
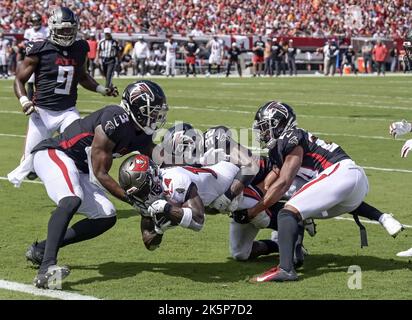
x,y
353,112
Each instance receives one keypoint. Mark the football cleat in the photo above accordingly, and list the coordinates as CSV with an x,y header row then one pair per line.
x,y
299,255
34,254
277,274
310,227
407,253
52,278
392,226
32,176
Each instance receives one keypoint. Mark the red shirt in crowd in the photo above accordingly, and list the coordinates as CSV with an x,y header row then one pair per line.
x,y
380,52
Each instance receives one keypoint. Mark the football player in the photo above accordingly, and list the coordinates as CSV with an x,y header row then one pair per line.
x,y
35,33
337,185
400,128
187,191
216,54
59,65
74,167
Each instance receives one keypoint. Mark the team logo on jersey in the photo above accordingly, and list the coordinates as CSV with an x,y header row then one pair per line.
x,y
29,47
109,126
293,140
65,53
140,163
141,90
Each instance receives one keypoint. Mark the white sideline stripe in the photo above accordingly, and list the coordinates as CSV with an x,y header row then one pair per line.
x,y
388,169
28,181
58,294
12,135
369,221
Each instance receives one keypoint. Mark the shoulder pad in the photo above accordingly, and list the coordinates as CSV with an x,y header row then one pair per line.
x,y
36,47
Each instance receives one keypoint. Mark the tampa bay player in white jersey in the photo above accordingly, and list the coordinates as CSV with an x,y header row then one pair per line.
x,y
36,32
171,47
4,53
216,54
187,190
400,128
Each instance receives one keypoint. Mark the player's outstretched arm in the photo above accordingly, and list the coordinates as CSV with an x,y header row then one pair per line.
x,y
191,215
24,71
102,160
287,173
150,237
88,82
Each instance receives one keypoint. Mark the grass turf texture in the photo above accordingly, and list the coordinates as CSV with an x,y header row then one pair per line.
x,y
353,112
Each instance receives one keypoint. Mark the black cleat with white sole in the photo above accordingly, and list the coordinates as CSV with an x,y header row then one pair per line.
x,y
34,254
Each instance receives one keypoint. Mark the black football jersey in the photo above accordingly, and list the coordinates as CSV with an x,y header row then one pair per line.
x,y
57,73
317,154
191,48
79,134
259,52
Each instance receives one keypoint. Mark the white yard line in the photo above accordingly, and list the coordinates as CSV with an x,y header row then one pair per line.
x,y
369,221
57,294
28,181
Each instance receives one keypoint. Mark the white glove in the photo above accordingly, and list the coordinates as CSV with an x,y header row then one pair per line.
x,y
221,203
213,156
406,148
157,207
399,128
224,204
162,226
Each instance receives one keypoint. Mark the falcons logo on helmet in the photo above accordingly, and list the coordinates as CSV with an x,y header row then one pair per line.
x,y
275,107
141,90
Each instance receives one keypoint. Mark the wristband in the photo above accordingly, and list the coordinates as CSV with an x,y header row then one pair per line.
x,y
23,100
187,217
102,90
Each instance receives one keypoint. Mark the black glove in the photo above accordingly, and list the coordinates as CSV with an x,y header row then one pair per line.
x,y
240,216
112,91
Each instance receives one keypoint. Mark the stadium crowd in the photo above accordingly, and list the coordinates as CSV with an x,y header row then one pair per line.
x,y
317,18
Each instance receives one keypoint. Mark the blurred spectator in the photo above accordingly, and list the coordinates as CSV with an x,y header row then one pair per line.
x,y
216,54
258,54
367,56
291,54
326,58
394,55
141,53
380,53
276,56
233,58
268,57
171,47
331,58
191,49
283,52
4,54
349,59
92,54
386,18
